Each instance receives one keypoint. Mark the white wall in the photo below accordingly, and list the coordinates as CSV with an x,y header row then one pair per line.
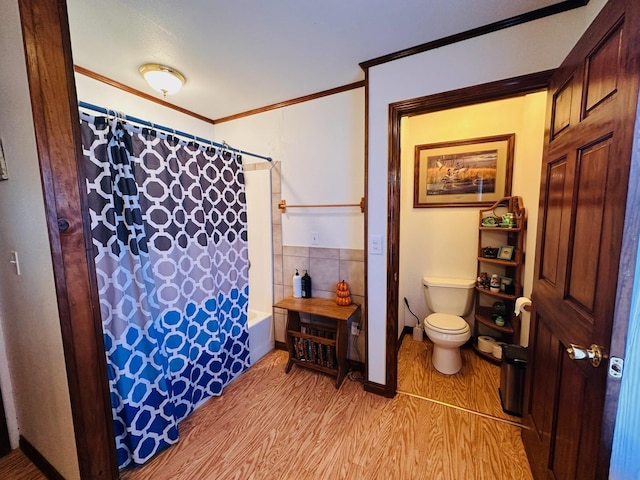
x,y
258,189
527,48
443,242
320,145
34,379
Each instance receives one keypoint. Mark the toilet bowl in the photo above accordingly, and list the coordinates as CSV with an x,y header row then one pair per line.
x,y
448,333
449,299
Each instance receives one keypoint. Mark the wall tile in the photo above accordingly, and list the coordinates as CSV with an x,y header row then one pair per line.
x,y
277,270
352,254
324,273
353,273
278,293
322,293
295,251
289,266
276,178
277,239
276,214
317,252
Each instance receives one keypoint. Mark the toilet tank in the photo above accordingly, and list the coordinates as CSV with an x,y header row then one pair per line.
x,y
449,295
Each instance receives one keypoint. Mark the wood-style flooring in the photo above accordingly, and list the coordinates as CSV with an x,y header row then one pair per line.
x,y
474,387
269,425
16,466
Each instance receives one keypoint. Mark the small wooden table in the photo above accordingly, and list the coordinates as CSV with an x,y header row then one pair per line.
x,y
321,347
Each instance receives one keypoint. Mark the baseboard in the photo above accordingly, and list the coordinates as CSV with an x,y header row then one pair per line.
x,y
38,460
281,346
378,389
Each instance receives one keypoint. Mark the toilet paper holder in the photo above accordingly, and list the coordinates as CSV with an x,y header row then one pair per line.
x,y
523,304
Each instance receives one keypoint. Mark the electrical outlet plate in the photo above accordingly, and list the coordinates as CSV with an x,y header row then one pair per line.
x,y
355,328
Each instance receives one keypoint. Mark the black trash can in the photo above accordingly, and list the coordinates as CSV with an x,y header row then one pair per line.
x,y
512,373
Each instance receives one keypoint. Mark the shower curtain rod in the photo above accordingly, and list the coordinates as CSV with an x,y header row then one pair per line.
x,y
146,123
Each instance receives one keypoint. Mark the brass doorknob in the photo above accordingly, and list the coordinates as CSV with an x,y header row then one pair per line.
x,y
593,353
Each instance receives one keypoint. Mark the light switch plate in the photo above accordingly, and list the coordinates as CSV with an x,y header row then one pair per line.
x,y
375,244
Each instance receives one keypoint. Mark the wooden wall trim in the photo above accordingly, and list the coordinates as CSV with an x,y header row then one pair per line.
x,y
294,101
487,92
56,121
138,93
498,90
38,460
314,96
476,32
365,311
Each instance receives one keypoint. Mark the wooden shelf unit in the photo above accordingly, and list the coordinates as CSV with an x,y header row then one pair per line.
x,y
513,268
320,346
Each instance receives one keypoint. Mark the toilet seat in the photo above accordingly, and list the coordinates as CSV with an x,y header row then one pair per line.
x,y
446,323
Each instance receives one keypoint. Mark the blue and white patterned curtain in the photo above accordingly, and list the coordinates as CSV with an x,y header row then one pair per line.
x,y
169,229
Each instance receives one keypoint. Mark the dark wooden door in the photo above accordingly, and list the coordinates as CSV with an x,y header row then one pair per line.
x,y
590,120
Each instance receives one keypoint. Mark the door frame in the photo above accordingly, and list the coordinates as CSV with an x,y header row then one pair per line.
x,y
487,92
47,44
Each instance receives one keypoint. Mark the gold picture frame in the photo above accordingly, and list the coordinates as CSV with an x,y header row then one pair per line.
x,y
471,172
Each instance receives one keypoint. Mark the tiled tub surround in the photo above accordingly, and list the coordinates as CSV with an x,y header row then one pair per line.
x,y
326,266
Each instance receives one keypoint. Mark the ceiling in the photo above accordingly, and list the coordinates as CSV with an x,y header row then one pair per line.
x,y
245,54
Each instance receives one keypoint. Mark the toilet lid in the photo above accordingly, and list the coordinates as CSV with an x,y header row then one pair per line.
x,y
445,323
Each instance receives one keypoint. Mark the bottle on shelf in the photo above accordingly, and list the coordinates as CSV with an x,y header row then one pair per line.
x,y
306,285
297,285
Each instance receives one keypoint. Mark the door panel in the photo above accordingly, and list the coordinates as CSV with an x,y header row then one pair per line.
x,y
546,348
590,116
562,100
599,82
570,411
556,174
587,228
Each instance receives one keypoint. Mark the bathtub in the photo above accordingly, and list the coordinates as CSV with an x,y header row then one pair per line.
x,y
261,337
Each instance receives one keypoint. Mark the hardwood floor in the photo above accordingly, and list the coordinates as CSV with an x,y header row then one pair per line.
x,y
16,466
270,425
474,387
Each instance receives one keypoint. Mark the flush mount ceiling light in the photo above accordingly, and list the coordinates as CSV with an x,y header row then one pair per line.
x,y
165,80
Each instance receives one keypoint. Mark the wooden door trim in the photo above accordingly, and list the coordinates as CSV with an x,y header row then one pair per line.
x,y
487,92
57,130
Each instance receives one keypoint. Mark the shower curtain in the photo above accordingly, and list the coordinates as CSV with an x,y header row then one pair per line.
x,y
169,229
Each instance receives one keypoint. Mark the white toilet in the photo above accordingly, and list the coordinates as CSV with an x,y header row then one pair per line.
x,y
450,299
